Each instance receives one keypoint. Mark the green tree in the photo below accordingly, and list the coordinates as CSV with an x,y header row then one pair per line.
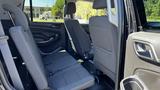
x,y
152,8
85,10
57,9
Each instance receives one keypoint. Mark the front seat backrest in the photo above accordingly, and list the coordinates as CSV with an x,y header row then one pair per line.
x,y
79,36
104,36
23,38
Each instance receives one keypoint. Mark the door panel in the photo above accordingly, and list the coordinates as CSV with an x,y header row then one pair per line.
x,y
48,36
142,64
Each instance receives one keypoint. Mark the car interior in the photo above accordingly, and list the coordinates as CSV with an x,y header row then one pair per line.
x,y
117,48
61,56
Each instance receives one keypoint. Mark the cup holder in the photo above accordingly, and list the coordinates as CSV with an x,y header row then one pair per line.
x,y
131,83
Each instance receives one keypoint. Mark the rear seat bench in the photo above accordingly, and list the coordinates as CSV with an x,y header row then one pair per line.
x,y
74,77
58,61
65,73
58,71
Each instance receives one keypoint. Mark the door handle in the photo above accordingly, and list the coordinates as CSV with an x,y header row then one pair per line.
x,y
144,50
49,40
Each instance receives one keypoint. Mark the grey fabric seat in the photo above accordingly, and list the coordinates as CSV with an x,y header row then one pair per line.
x,y
79,36
71,78
105,41
51,71
58,61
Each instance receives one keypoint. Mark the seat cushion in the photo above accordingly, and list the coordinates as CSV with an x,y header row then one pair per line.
x,y
72,78
58,61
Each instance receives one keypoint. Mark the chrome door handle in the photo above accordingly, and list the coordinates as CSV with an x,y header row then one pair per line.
x,y
144,50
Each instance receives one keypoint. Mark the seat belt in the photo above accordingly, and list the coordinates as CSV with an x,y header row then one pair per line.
x,y
8,59
70,38
140,27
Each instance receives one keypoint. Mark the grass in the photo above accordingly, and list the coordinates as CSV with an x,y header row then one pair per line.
x,y
153,19
149,19
48,20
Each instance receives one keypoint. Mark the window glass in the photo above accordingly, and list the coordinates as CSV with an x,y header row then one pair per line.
x,y
113,9
27,9
45,10
152,9
84,11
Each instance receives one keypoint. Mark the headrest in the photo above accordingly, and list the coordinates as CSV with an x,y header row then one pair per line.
x,y
70,8
99,4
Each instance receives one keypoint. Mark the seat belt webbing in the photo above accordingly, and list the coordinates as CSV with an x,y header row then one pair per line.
x,y
70,38
8,59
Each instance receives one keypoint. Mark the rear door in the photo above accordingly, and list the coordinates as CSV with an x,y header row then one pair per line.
x,y
46,23
142,59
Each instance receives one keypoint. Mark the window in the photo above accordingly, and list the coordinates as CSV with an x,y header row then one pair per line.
x,y
27,9
84,11
113,11
45,10
152,10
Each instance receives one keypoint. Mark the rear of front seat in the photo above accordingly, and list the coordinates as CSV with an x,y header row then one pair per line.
x,y
105,41
80,38
71,76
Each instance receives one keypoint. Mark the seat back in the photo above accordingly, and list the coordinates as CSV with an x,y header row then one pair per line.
x,y
26,46
79,36
104,37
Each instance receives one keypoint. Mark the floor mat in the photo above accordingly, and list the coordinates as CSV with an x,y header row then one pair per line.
x,y
102,82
